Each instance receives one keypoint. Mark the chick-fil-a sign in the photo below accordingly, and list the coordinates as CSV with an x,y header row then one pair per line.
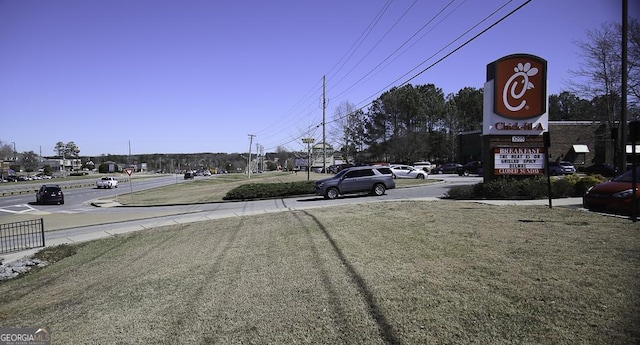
x,y
516,95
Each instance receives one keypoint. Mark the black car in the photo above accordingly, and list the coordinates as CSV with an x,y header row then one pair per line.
x,y
604,169
447,168
473,167
50,194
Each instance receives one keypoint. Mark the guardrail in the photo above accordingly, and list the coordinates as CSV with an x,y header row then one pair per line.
x,y
21,235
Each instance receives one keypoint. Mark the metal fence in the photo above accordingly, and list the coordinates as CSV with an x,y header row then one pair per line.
x,y
22,235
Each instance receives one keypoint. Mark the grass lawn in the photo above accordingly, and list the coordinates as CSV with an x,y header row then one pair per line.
x,y
409,272
214,188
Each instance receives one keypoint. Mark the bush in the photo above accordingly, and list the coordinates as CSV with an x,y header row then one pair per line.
x,y
561,188
533,188
584,183
463,192
55,254
501,189
270,190
526,188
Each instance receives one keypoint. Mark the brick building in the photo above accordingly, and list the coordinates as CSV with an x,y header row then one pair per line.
x,y
580,142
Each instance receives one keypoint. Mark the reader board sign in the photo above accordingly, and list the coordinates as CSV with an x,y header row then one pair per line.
x,y
519,160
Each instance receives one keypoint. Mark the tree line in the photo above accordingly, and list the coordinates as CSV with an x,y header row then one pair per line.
x,y
412,123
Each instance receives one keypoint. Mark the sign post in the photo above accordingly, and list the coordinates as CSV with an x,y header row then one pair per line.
x,y
129,171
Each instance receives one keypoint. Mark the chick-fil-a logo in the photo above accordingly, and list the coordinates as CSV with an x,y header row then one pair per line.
x,y
519,80
520,86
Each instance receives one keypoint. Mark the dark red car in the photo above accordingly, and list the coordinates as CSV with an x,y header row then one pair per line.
x,y
615,196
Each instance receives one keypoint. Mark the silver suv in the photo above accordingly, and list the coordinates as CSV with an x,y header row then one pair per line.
x,y
372,179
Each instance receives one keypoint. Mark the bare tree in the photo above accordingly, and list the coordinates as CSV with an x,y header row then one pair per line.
x,y
347,130
600,73
599,76
6,151
69,149
29,161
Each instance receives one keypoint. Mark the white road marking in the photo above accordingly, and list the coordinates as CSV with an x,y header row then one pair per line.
x,y
22,208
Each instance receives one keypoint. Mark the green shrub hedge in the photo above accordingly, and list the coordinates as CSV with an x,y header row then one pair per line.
x,y
270,190
526,188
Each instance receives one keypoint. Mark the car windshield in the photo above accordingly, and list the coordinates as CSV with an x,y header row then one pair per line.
x,y
627,177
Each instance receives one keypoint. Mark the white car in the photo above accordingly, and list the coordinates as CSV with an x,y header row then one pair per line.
x,y
425,165
407,171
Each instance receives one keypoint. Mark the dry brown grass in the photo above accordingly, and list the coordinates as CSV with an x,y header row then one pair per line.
x,y
214,188
394,272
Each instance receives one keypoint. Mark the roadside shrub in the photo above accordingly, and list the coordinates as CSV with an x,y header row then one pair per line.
x,y
527,188
562,187
533,188
270,190
584,183
501,189
463,192
55,254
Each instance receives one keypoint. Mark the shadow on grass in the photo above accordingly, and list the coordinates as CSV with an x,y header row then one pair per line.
x,y
384,327
350,196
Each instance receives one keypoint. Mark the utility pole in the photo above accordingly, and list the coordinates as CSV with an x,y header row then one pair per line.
x,y
324,126
257,157
308,141
249,159
623,116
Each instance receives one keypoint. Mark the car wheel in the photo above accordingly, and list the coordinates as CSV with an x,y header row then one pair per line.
x,y
394,176
420,176
331,193
465,173
379,189
62,202
554,173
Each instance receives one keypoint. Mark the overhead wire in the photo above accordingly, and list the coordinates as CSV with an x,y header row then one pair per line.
x,y
346,57
442,58
396,50
365,103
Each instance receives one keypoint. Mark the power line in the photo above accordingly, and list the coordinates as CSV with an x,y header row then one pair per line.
x,y
444,57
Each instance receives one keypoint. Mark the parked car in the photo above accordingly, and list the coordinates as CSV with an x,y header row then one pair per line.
x,y
363,179
561,168
407,171
447,168
473,167
50,194
604,169
425,165
339,167
615,196
189,175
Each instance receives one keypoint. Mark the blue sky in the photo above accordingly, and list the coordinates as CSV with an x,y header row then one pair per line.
x,y
200,76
